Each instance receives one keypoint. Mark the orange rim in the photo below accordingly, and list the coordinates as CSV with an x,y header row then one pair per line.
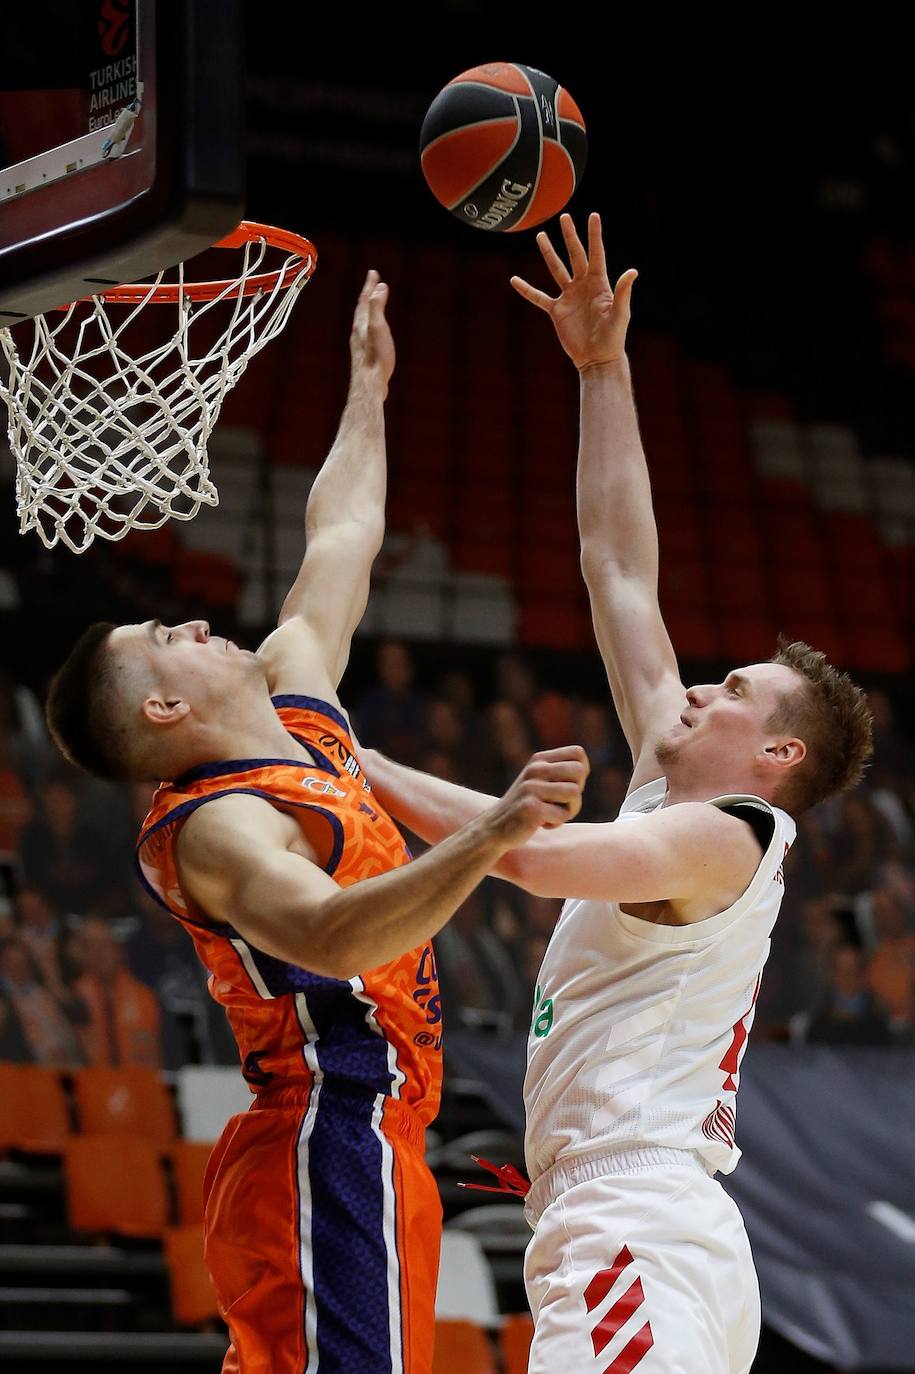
x,y
247,231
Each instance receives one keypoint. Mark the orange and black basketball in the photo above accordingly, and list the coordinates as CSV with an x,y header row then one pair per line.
x,y
503,146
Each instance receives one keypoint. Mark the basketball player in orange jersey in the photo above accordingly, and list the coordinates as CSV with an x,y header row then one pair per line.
x,y
322,1219
639,1260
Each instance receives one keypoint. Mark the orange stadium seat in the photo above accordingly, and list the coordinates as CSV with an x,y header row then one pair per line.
x,y
819,630
193,1296
745,637
125,1101
739,586
484,556
515,1342
462,1346
554,624
863,594
189,1161
214,577
808,592
34,1116
691,631
115,1183
683,581
878,648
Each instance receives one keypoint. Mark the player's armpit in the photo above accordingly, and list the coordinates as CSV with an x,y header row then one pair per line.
x,y
681,853
296,661
236,865
309,650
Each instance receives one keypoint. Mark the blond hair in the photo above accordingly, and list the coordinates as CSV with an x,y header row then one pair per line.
x,y
831,715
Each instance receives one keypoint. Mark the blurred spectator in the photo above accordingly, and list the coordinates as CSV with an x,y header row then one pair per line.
x,y
123,1018
605,793
893,758
65,858
850,1014
822,931
474,967
390,715
24,740
593,729
551,716
891,970
510,742
15,813
865,841
39,929
515,681
459,689
452,733
193,1026
40,1022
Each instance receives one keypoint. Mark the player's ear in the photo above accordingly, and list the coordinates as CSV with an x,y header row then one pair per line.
x,y
785,753
164,711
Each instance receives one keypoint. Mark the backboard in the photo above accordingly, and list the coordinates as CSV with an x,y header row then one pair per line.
x,y
121,125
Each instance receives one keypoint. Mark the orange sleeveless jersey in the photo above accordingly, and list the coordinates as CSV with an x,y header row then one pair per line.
x,y
379,1032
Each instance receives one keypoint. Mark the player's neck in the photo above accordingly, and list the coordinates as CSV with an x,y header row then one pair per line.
x,y
681,790
251,733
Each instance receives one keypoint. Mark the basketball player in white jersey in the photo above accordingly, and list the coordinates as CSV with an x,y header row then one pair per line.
x,y
646,995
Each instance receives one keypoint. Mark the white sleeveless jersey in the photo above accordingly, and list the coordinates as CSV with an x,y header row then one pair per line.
x,y
639,1029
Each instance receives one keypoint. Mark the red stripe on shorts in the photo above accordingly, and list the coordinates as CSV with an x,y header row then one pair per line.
x,y
617,1315
633,1352
604,1280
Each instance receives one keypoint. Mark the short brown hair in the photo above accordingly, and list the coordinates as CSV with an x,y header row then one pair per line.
x,y
81,709
831,715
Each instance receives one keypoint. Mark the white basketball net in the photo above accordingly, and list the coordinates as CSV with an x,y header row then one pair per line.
x,y
106,441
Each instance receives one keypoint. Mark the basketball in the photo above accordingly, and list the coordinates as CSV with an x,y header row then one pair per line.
x,y
503,147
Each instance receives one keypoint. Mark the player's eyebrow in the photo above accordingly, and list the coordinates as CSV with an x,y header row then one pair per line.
x,y
738,680
152,629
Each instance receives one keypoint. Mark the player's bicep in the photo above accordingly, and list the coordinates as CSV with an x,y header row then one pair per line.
x,y
671,855
236,866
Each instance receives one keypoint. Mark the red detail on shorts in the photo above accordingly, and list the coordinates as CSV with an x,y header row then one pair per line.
x,y
719,1124
633,1352
511,1180
616,1316
604,1279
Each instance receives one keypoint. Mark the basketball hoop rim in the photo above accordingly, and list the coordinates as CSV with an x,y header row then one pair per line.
x,y
248,231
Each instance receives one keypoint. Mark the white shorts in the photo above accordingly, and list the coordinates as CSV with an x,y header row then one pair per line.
x,y
639,1260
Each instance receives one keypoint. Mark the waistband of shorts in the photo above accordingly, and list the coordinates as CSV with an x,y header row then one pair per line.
x,y
571,1170
399,1117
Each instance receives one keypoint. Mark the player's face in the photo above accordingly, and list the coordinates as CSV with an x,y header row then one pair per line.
x,y
724,724
187,661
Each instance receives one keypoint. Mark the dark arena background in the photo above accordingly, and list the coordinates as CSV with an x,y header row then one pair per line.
x,y
767,200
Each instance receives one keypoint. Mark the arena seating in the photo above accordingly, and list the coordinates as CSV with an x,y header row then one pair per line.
x,y
767,523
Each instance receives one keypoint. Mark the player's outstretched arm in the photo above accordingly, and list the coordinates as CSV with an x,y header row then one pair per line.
x,y
433,808
619,542
237,865
654,861
344,521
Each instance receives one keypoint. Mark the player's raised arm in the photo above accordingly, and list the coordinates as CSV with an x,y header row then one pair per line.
x,y
619,542
344,521
238,847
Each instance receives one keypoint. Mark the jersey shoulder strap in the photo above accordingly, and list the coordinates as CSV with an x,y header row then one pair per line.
x,y
759,818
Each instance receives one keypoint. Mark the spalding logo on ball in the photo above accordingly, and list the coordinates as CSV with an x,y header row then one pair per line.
x,y
503,146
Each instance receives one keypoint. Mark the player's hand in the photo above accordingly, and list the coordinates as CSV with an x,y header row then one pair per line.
x,y
589,316
371,343
546,793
